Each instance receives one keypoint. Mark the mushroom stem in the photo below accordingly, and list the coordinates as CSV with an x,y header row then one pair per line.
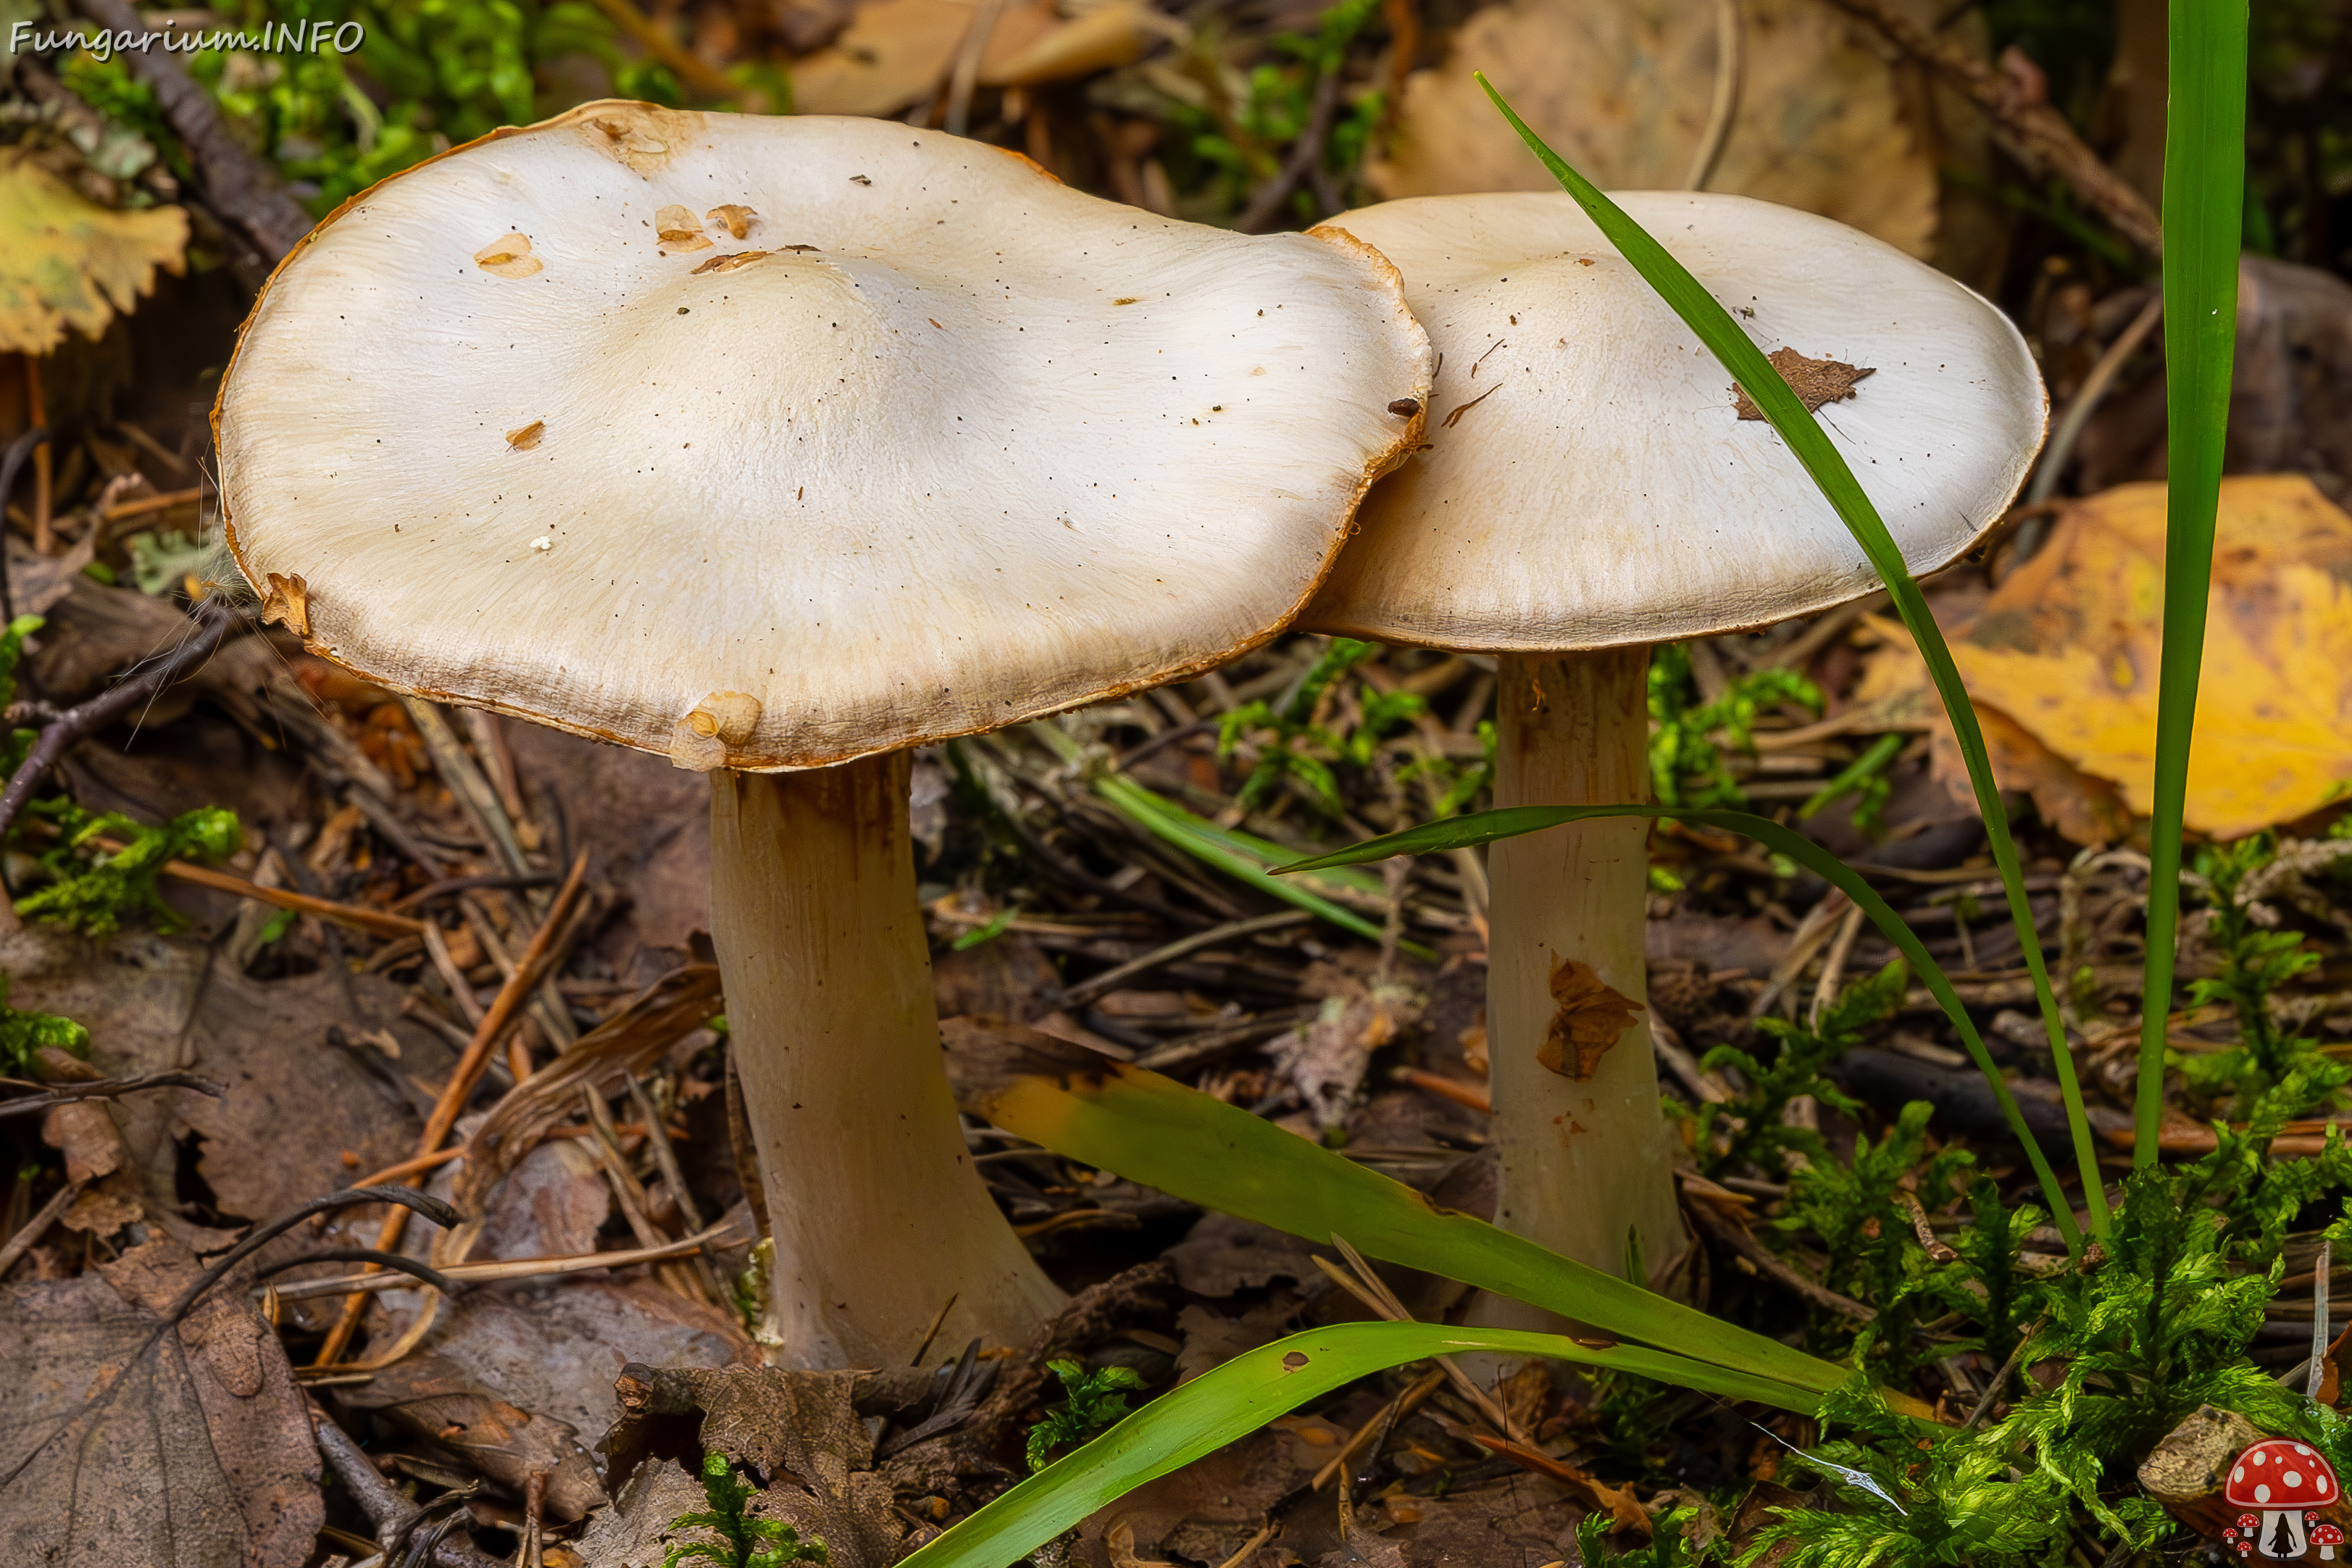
x,y
880,1215
1587,1163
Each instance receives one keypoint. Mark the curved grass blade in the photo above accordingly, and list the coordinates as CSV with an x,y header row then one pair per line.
x,y
1246,1392
1194,1146
1237,855
2204,192
1723,337
1485,827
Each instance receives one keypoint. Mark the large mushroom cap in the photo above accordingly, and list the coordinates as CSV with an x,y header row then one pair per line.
x,y
1589,482
888,431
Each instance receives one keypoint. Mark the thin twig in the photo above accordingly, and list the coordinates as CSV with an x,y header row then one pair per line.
x,y
1734,1235
1730,65
1265,202
2035,133
508,1269
1394,1411
33,1229
213,623
2095,387
541,952
107,1088
2001,1379
1086,990
238,186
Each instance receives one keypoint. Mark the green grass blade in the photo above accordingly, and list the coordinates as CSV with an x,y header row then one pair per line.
x,y
2204,197
1723,337
1485,827
1155,1130
1250,1390
1237,855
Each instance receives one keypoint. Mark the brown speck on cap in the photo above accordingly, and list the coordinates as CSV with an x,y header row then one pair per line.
x,y
528,437
1814,381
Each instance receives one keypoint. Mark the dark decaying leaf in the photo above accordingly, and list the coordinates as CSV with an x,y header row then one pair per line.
x,y
434,1399
121,1447
797,1431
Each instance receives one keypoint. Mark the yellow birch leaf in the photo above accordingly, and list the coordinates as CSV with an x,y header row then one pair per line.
x,y
2062,661
65,261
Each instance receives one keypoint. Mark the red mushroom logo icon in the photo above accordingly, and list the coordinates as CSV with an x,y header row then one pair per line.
x,y
2283,1478
2327,1538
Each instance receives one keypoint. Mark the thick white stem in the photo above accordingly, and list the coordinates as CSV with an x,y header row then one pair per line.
x,y
878,1214
1586,1163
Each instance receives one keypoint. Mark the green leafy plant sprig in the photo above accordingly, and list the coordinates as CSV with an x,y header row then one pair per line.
x,y
1091,1401
1686,764
743,1541
92,889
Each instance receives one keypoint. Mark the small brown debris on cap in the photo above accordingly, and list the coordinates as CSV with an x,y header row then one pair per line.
x,y
509,256
288,603
1129,299
528,437
678,230
733,217
729,262
1592,1016
723,719
1814,381
1405,407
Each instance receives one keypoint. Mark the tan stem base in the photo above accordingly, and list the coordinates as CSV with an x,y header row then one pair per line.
x,y
878,1213
1586,1164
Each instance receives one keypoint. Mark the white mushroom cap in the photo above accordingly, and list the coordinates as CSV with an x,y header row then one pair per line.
x,y
1603,490
867,434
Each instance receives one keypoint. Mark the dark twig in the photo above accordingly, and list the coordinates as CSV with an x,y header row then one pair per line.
x,y
16,1246
19,450
431,1208
392,1261
238,186
386,1509
1734,1235
464,884
1265,202
2032,132
107,1088
213,624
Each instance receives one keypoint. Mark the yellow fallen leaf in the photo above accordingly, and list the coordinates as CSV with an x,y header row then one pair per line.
x,y
65,261
2062,660
1622,88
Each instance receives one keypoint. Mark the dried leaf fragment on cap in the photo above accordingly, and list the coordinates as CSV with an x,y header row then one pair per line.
x,y
733,259
678,229
528,437
1592,1017
508,256
1814,381
288,603
735,218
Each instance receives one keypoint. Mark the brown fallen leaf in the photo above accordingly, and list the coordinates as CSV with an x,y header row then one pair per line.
x,y
434,1399
1590,1018
83,1130
121,1447
65,261
528,437
896,51
1814,381
1622,89
2066,649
